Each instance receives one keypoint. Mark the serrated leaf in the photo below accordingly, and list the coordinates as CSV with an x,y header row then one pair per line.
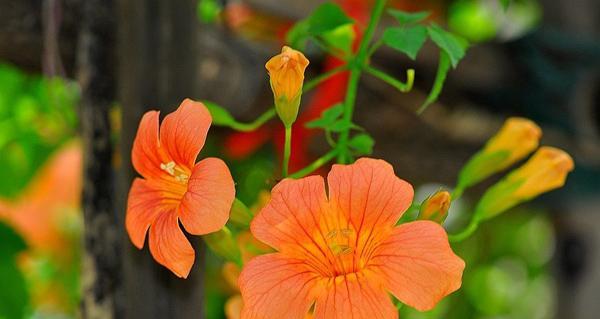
x,y
408,40
362,144
404,17
327,17
328,117
454,46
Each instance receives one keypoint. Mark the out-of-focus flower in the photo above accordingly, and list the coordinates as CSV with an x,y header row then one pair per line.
x,y
286,73
517,138
342,252
546,170
435,207
175,188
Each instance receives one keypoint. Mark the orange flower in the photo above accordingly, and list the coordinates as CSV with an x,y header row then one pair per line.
x,y
342,251
175,188
286,72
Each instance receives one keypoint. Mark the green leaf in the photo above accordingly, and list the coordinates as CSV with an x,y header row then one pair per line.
x,y
327,17
223,244
505,4
362,144
208,10
408,40
342,125
438,84
328,117
297,36
405,18
240,214
13,295
220,116
452,45
340,38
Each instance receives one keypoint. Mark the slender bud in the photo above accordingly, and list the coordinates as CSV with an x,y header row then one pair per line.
x,y
517,138
435,207
546,170
286,73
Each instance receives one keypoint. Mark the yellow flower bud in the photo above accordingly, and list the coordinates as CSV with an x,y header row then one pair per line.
x,y
435,207
546,170
517,138
286,73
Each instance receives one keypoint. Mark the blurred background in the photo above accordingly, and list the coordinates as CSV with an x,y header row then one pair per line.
x,y
76,76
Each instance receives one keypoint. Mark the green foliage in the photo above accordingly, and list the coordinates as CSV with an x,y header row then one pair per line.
x,y
404,18
223,243
328,117
408,40
438,84
36,116
222,117
240,214
328,23
14,298
362,144
452,45
208,10
479,167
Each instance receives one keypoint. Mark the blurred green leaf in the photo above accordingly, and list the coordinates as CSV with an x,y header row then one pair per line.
x,y
408,40
14,298
220,116
208,10
342,125
223,244
328,117
340,38
324,20
438,84
452,45
240,214
405,18
362,144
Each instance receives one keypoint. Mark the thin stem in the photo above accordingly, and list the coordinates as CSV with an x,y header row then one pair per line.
x,y
465,233
262,119
316,164
400,86
322,77
374,48
357,65
287,150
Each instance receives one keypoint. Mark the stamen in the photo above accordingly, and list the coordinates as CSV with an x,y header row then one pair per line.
x,y
168,167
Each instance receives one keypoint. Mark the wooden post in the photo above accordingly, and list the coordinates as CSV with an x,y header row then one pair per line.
x,y
158,56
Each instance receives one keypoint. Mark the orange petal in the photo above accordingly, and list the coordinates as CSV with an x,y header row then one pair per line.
x,y
143,207
370,196
206,204
274,286
290,221
233,307
357,296
146,155
169,246
418,264
183,132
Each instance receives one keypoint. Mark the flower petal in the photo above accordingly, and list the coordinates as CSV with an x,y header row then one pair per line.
x,y
274,286
369,193
169,246
206,204
357,296
143,207
183,132
290,221
146,155
418,265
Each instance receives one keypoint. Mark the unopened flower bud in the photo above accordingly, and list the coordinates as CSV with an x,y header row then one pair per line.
x,y
286,73
546,170
517,138
435,207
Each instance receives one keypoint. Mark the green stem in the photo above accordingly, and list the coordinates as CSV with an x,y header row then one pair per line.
x,y
324,76
247,127
400,86
287,150
356,66
465,233
316,164
374,48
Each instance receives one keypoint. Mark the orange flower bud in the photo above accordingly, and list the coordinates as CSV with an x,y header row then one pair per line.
x,y
517,138
286,72
435,207
546,170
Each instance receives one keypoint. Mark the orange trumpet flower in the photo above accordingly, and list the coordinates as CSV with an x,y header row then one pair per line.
x,y
175,188
342,252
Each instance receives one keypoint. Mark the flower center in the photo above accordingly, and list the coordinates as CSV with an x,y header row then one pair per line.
x,y
175,171
338,241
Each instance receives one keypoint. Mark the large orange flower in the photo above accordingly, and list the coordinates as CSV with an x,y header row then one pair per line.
x,y
343,252
175,188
